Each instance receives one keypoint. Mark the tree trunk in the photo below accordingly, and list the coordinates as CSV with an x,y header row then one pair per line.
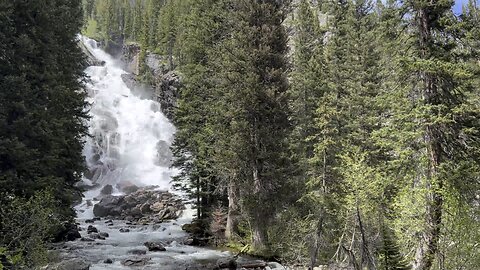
x,y
317,242
428,246
259,218
231,229
259,233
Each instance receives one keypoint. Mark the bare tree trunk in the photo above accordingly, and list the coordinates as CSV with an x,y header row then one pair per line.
x,y
233,215
259,218
317,242
428,246
365,250
259,233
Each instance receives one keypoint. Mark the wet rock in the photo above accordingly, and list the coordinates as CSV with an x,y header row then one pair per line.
x,y
87,239
188,242
157,207
137,261
73,264
89,221
108,261
155,246
123,230
97,236
137,252
107,190
277,266
109,206
104,234
130,189
228,263
194,228
71,232
92,229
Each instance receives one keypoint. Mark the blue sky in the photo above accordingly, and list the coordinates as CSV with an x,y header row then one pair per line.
x,y
458,6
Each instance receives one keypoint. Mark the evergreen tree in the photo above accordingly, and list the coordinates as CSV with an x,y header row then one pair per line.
x,y
254,104
42,107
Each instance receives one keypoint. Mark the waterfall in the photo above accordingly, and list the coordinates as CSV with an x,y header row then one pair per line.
x,y
127,132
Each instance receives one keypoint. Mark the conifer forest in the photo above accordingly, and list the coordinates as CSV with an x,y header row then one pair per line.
x,y
240,134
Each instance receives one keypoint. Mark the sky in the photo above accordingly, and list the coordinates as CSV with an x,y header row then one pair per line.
x,y
458,6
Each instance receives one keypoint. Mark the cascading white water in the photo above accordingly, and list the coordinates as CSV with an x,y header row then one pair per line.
x,y
125,129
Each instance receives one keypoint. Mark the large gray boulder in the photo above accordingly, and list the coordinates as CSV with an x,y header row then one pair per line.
x,y
109,206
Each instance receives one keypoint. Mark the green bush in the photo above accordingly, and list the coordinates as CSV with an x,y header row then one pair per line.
x,y
26,226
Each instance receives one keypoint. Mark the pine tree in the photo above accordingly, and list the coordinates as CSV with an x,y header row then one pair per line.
x,y
254,105
445,119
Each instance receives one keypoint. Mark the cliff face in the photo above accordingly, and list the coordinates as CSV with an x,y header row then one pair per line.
x,y
158,79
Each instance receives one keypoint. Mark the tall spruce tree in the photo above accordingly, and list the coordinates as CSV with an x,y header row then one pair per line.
x,y
255,108
446,120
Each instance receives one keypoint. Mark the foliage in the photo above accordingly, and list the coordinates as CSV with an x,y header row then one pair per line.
x,y
367,153
42,122
26,227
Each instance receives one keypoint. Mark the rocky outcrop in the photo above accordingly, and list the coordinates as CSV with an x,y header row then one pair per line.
x,y
90,58
130,56
141,207
164,82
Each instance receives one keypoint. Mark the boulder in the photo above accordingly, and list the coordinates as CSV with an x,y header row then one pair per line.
x,y
123,230
108,261
136,261
107,190
87,239
275,265
96,236
155,246
228,263
71,232
130,189
157,207
92,229
109,206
